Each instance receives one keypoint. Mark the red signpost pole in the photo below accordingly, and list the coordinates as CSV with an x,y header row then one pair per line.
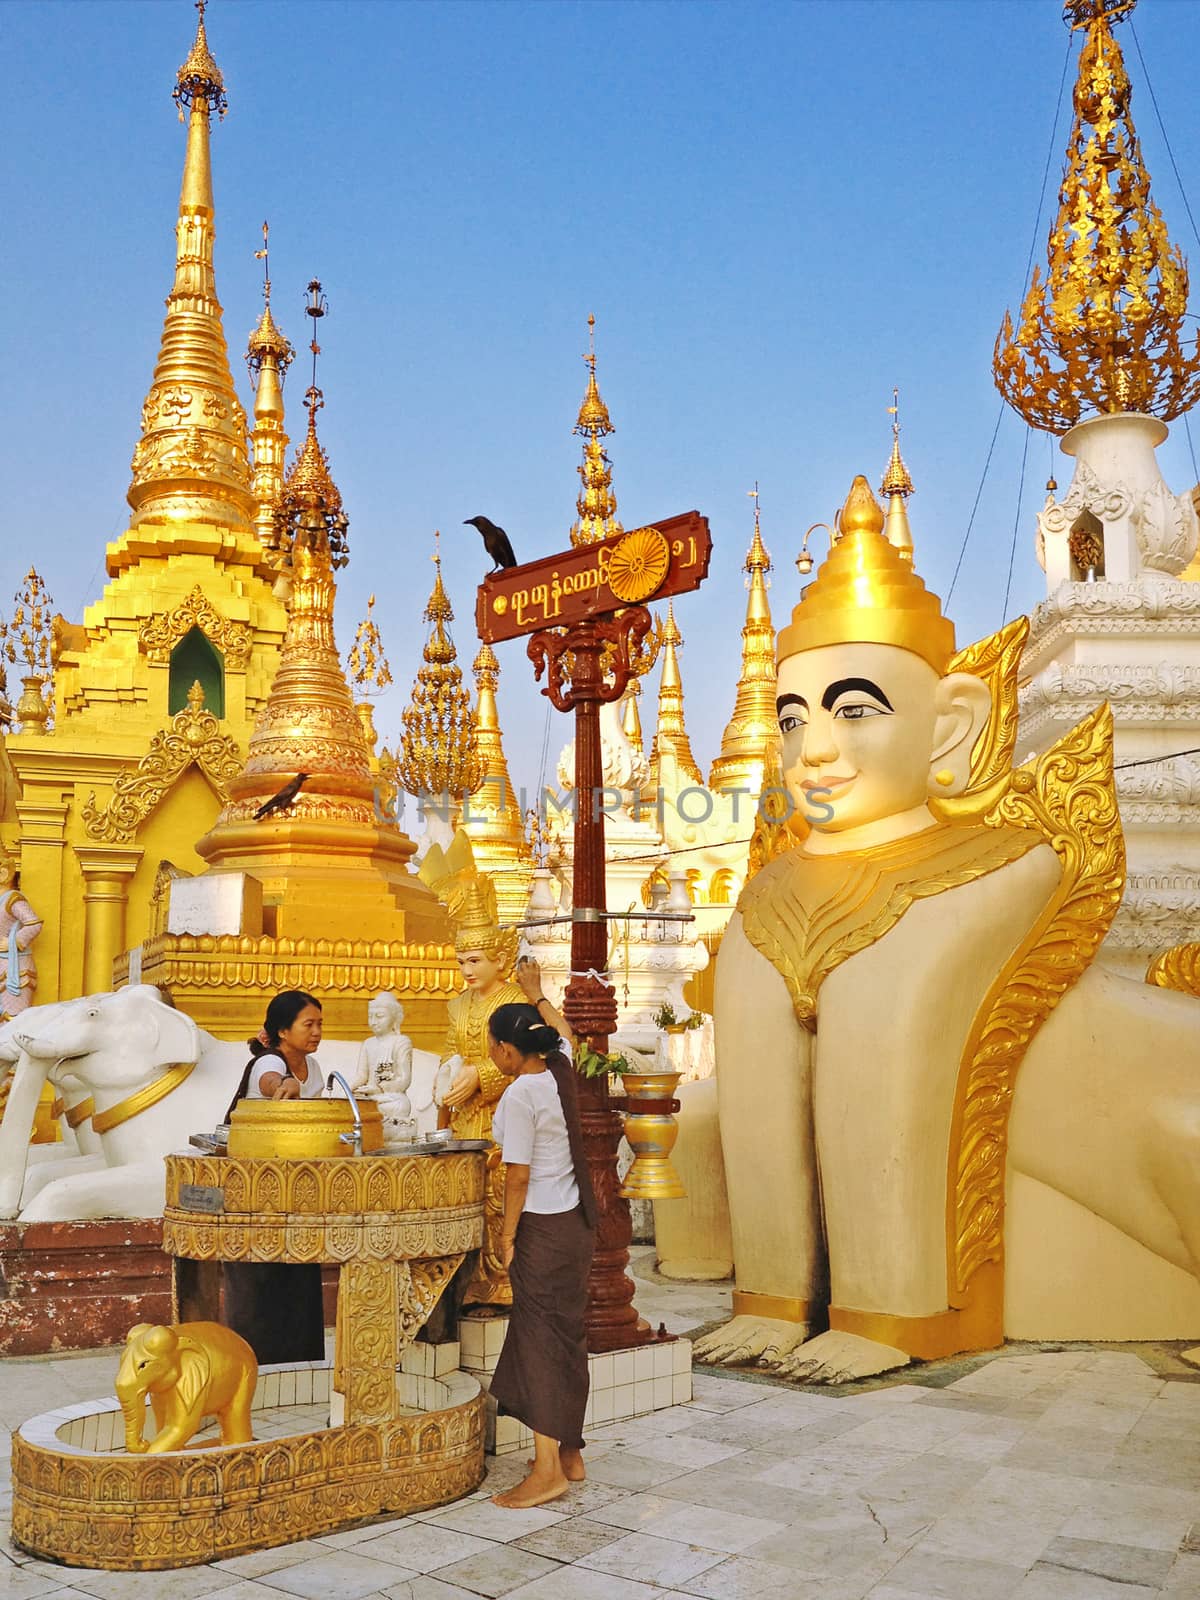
x,y
589,1001
581,611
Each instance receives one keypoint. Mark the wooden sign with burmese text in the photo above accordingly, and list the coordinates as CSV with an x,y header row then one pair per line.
x,y
646,564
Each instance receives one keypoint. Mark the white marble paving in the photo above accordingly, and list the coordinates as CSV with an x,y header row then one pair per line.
x,y
1032,1474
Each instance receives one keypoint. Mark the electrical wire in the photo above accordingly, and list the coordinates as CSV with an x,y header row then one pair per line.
x,y
1162,128
1012,554
1024,285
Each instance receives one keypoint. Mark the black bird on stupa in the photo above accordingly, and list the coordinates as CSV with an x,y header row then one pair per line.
x,y
495,542
282,800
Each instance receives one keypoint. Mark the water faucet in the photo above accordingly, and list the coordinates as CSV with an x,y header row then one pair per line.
x,y
355,1138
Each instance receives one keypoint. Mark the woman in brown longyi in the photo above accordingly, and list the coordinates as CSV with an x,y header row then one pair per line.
x,y
548,1239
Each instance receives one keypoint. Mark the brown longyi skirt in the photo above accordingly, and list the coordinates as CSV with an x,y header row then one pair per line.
x,y
542,1374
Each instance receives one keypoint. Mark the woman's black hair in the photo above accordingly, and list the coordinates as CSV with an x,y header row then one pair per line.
x,y
518,1024
281,1013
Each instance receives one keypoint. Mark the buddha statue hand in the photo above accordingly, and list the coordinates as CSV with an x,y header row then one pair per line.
x,y
464,1086
444,1078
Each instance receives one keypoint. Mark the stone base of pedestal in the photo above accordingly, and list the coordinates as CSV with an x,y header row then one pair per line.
x,y
83,1285
624,1383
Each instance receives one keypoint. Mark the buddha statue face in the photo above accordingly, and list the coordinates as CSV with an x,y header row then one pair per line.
x,y
869,732
384,1015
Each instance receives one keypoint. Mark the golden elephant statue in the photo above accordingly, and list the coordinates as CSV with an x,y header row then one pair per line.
x,y
191,1371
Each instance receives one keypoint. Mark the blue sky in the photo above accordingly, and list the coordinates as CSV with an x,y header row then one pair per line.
x,y
775,211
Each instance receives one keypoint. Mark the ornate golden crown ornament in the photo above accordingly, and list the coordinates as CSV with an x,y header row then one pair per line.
x,y
439,750
470,899
1102,330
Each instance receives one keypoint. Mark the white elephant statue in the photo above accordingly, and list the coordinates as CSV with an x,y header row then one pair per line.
x,y
154,1078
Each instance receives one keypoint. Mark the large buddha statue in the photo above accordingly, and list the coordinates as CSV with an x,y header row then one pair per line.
x,y
486,953
935,1110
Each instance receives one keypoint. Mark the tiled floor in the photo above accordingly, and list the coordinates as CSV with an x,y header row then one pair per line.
x,y
1038,1474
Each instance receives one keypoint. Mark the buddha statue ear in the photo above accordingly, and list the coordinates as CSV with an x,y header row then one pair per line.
x,y
962,703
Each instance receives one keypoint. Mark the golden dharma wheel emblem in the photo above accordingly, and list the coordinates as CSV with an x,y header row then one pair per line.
x,y
638,565
500,605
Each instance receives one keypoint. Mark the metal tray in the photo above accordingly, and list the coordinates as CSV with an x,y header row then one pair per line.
x,y
422,1147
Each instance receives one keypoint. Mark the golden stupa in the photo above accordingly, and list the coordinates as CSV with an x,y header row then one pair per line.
x,y
672,764
302,822
750,742
492,817
136,763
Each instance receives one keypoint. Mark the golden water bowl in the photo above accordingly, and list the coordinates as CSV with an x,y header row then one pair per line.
x,y
273,1129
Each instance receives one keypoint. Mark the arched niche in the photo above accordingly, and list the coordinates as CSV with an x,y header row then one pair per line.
x,y
196,658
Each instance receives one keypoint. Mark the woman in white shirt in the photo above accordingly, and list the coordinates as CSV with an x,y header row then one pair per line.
x,y
277,1306
547,1242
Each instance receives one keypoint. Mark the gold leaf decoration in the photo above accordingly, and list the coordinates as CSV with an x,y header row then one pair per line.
x,y
194,738
159,635
1069,797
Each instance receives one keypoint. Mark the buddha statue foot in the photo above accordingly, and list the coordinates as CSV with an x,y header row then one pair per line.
x,y
747,1338
834,1357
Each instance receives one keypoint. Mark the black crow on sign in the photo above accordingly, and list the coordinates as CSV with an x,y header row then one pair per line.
x,y
495,542
282,800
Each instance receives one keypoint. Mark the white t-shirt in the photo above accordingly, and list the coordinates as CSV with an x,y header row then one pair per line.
x,y
529,1126
309,1089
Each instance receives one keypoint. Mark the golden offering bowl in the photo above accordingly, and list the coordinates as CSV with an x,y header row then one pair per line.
x,y
283,1128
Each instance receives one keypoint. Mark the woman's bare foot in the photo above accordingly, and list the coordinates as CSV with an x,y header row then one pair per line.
x,y
571,1462
535,1490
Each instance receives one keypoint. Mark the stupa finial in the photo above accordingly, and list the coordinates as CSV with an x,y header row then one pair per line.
x,y
199,78
190,464
439,749
897,485
1102,330
752,731
597,502
268,356
310,504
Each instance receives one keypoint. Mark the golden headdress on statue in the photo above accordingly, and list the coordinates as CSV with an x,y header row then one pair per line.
x,y
469,897
867,594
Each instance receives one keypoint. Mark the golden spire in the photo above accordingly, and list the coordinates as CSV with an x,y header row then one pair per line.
x,y
597,502
631,717
897,485
1103,330
498,792
268,356
493,817
752,732
190,464
309,723
671,735
439,753
866,593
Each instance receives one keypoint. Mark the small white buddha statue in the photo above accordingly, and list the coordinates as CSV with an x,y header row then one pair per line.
x,y
384,1068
